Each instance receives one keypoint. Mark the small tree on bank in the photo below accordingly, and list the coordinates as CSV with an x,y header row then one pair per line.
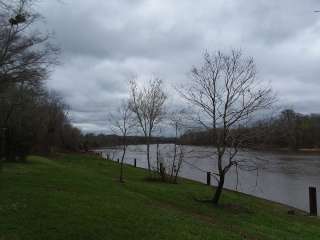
x,y
122,124
226,94
147,104
169,160
176,121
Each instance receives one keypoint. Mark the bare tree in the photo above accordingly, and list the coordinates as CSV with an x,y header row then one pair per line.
x,y
122,123
176,121
171,157
227,95
147,104
25,53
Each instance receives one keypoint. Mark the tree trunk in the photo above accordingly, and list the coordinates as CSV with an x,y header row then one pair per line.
x,y
3,146
173,167
179,166
158,163
218,191
121,164
148,155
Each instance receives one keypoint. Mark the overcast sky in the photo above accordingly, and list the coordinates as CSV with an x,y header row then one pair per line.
x,y
105,43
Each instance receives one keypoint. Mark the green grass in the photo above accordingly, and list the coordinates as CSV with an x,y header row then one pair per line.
x,y
79,197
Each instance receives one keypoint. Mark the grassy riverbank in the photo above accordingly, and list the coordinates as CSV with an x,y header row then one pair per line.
x,y
79,197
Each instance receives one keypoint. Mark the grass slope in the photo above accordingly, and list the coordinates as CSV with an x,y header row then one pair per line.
x,y
79,197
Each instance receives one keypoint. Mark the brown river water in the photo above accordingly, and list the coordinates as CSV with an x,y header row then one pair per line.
x,y
279,177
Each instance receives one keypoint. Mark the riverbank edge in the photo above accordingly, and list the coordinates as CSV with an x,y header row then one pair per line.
x,y
70,177
291,209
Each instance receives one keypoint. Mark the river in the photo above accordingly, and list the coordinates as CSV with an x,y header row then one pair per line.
x,y
280,177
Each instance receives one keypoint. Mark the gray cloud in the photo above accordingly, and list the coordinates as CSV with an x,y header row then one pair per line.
x,y
105,43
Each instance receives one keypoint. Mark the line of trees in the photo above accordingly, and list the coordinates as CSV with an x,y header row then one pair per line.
x,y
32,119
287,130
290,130
95,141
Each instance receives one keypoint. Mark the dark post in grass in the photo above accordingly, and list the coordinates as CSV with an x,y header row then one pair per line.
x,y
135,162
118,160
209,178
313,201
161,167
3,144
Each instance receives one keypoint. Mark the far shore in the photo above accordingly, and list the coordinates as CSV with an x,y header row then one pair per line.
x,y
308,151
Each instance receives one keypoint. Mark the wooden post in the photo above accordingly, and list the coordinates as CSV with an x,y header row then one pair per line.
x,y
135,162
118,160
108,157
162,170
313,201
3,146
209,178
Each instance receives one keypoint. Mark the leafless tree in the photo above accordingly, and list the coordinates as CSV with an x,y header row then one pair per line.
x,y
176,121
122,124
25,53
147,104
227,95
171,157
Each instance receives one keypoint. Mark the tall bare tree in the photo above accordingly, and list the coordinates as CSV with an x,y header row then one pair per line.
x,y
25,53
147,104
226,94
122,123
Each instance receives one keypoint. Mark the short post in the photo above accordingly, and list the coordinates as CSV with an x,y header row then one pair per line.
x,y
313,201
3,146
209,178
161,167
135,162
118,160
108,157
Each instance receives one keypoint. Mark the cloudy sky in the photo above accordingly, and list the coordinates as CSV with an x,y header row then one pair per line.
x,y
104,43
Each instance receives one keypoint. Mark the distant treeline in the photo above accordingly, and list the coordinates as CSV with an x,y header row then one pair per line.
x,y
287,130
89,141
